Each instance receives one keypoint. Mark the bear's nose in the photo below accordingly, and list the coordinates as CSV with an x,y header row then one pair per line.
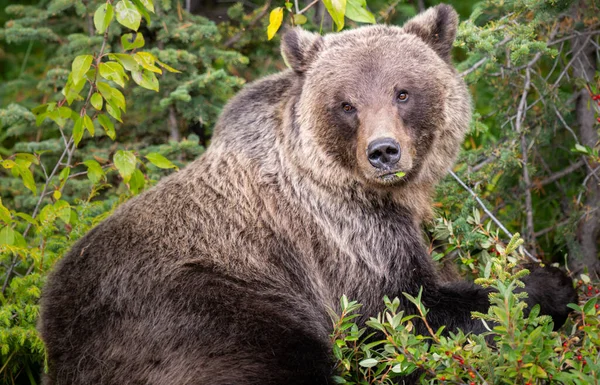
x,y
383,153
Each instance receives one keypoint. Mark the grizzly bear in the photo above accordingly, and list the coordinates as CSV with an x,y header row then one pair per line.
x,y
315,185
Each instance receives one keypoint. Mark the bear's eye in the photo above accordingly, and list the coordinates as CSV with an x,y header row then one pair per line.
x,y
402,96
347,107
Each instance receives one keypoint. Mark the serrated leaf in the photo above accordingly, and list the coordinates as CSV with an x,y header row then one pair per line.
x,y
78,131
132,41
146,60
113,71
275,20
103,17
108,126
89,125
124,161
95,173
357,10
96,101
337,10
80,66
125,60
128,15
160,161
145,79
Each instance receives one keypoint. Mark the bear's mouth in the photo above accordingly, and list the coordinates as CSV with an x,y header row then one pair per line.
x,y
391,176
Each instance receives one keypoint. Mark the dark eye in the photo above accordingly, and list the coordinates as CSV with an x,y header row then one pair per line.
x,y
347,107
402,96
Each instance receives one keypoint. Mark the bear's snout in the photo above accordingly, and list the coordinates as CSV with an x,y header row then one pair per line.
x,y
383,153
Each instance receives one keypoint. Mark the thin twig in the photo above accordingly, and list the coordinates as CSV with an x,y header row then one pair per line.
x,y
235,38
489,213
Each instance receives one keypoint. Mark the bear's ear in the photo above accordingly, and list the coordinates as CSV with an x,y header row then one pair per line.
x,y
437,27
300,48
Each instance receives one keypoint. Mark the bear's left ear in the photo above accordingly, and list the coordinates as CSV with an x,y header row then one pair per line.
x,y
437,27
300,48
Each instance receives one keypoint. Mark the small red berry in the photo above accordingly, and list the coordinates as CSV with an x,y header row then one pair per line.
x,y
584,362
579,357
472,375
597,306
565,344
597,291
448,353
472,383
443,378
590,287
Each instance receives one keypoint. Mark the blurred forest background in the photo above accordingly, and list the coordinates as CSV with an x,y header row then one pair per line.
x,y
93,112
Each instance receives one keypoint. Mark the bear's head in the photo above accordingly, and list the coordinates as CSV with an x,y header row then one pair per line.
x,y
380,105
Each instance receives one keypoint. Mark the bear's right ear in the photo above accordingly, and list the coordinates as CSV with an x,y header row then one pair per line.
x,y
300,48
437,27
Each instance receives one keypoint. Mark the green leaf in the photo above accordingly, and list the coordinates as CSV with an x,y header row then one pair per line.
x,y
128,15
132,41
275,19
125,60
27,157
96,101
108,126
62,210
118,98
167,67
125,163
80,66
26,175
145,79
146,60
103,17
337,9
400,174
78,131
300,19
95,173
5,214
89,125
142,10
357,10
137,181
148,4
368,363
114,112
160,161
7,236
113,71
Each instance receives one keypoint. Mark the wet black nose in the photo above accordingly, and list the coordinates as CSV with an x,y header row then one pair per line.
x,y
383,153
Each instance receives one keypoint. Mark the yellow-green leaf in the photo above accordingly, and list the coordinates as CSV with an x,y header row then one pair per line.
x,y
114,112
275,20
160,161
26,175
62,210
146,60
89,125
78,131
113,71
7,236
337,10
108,126
80,66
4,214
132,41
126,60
357,10
103,17
148,4
145,79
300,19
167,67
128,15
125,163
96,101
95,173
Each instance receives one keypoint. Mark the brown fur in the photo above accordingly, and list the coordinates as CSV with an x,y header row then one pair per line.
x,y
223,272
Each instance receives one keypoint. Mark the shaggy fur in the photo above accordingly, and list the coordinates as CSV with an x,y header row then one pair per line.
x,y
223,272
